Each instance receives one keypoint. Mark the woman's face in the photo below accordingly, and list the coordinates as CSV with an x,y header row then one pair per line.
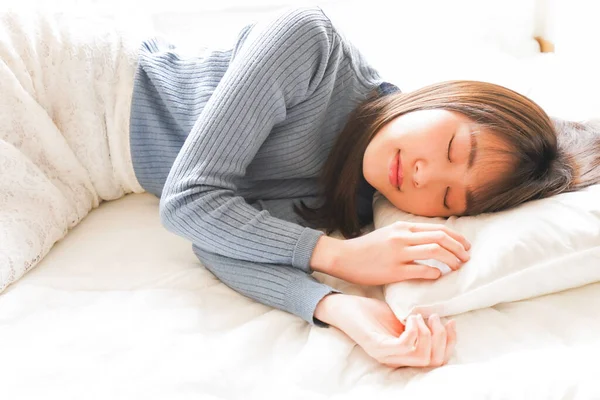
x,y
440,161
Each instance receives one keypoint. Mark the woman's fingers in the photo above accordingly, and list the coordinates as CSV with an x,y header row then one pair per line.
x,y
438,340
423,352
403,351
441,238
397,351
431,250
450,339
417,271
422,344
410,335
424,227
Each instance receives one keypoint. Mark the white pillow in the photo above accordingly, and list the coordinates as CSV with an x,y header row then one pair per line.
x,y
538,248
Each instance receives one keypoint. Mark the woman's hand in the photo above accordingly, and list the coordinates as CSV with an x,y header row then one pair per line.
x,y
374,327
387,255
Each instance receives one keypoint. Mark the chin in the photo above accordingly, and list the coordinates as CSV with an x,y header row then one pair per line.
x,y
398,206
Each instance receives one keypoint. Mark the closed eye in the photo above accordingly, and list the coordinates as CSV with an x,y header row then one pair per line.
x,y
448,188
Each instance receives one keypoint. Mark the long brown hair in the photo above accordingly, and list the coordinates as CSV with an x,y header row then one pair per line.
x,y
549,156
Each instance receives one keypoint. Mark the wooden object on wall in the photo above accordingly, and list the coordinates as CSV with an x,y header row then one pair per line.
x,y
546,46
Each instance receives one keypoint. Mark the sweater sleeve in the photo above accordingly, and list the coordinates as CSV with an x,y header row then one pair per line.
x,y
285,288
280,63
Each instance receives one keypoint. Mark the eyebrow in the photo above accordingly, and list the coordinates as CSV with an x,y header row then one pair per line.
x,y
472,155
473,151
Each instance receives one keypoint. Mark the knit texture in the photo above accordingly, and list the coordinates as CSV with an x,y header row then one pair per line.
x,y
230,139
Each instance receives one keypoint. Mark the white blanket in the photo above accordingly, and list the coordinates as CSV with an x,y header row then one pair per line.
x,y
65,91
122,309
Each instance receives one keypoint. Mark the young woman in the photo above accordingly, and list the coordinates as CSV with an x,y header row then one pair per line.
x,y
254,149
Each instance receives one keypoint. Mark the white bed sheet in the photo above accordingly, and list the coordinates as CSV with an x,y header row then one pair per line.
x,y
122,309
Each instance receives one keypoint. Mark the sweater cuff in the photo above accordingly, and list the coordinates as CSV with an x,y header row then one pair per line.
x,y
303,297
304,249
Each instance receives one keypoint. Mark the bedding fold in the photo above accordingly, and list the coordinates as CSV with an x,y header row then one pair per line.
x,y
64,145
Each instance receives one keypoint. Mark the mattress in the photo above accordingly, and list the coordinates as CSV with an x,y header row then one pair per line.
x,y
122,309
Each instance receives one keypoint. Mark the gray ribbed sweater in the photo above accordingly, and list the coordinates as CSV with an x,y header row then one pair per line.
x,y
229,139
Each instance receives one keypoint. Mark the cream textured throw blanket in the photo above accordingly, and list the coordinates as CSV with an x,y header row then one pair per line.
x,y
65,92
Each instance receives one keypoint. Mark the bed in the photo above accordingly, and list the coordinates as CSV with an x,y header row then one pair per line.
x,y
119,308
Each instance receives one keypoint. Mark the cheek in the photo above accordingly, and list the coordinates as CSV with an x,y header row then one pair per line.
x,y
373,147
369,158
375,152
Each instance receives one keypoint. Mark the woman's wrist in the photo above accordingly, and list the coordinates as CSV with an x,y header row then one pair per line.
x,y
326,254
328,308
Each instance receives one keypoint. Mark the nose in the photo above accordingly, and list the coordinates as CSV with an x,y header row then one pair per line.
x,y
425,174
419,180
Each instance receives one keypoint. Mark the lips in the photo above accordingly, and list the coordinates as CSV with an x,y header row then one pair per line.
x,y
399,171
395,171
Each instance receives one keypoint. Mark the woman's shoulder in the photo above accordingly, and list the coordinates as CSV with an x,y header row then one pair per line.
x,y
290,24
305,16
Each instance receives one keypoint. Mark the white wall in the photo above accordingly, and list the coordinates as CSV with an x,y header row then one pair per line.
x,y
506,25
411,42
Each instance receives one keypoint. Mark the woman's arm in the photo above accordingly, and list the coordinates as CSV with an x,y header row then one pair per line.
x,y
326,254
279,65
284,287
